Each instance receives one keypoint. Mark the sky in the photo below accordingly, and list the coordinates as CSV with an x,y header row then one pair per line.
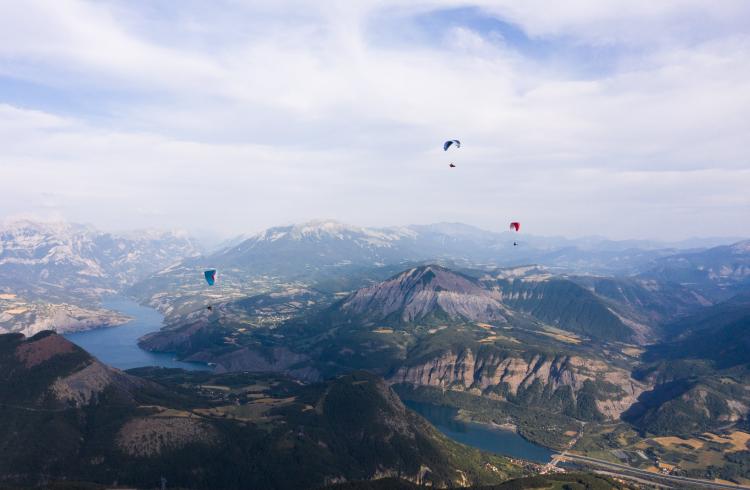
x,y
621,118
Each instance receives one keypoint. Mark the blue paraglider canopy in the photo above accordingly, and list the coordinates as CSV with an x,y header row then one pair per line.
x,y
210,276
448,144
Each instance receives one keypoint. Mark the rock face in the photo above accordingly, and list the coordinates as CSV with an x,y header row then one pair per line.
x,y
424,292
510,377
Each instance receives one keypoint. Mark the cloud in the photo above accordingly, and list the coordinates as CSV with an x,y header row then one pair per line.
x,y
237,116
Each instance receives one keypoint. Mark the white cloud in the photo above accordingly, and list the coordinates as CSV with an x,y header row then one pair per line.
x,y
252,114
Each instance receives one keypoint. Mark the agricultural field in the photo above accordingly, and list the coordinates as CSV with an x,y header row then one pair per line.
x,y
709,455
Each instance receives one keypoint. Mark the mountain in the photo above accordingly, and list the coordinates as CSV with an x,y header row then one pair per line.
x,y
693,405
562,302
65,416
61,260
700,375
298,249
646,301
717,273
720,334
49,373
426,293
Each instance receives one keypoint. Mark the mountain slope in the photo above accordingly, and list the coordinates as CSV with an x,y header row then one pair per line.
x,y
701,377
648,302
560,302
720,335
67,416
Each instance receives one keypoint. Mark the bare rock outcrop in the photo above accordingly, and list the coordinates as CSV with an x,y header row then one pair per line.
x,y
481,376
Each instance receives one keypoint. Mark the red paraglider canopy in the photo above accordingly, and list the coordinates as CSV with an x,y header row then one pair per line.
x,y
515,226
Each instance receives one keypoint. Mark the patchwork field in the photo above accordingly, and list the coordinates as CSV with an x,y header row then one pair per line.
x,y
708,455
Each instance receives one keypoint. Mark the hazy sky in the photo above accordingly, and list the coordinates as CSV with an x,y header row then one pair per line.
x,y
625,118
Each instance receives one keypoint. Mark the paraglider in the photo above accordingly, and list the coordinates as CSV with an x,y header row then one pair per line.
x,y
448,144
210,276
515,226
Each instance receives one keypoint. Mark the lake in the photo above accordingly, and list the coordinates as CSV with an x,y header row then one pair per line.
x,y
480,436
118,346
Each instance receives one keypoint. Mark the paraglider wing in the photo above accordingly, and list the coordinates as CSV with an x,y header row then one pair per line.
x,y
448,144
515,226
210,276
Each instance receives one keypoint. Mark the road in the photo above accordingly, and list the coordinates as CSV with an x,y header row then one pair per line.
x,y
625,470
650,483
561,456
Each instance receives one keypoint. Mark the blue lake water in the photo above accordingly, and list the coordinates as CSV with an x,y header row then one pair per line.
x,y
118,346
480,436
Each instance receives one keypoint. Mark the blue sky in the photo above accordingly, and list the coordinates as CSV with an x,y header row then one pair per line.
x,y
623,118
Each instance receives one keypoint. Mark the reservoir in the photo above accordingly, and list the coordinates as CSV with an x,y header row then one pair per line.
x,y
480,436
118,346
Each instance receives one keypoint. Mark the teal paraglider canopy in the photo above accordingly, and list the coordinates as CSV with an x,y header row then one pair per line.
x,y
210,276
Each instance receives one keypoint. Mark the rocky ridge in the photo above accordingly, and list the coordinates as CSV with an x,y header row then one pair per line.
x,y
505,377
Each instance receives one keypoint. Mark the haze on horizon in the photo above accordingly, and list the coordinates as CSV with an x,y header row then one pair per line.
x,y
628,119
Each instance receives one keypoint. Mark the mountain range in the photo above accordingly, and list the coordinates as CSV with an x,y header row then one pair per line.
x,y
332,257
62,260
554,337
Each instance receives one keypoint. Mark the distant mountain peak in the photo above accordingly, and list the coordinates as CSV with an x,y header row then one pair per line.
x,y
435,277
317,230
326,227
